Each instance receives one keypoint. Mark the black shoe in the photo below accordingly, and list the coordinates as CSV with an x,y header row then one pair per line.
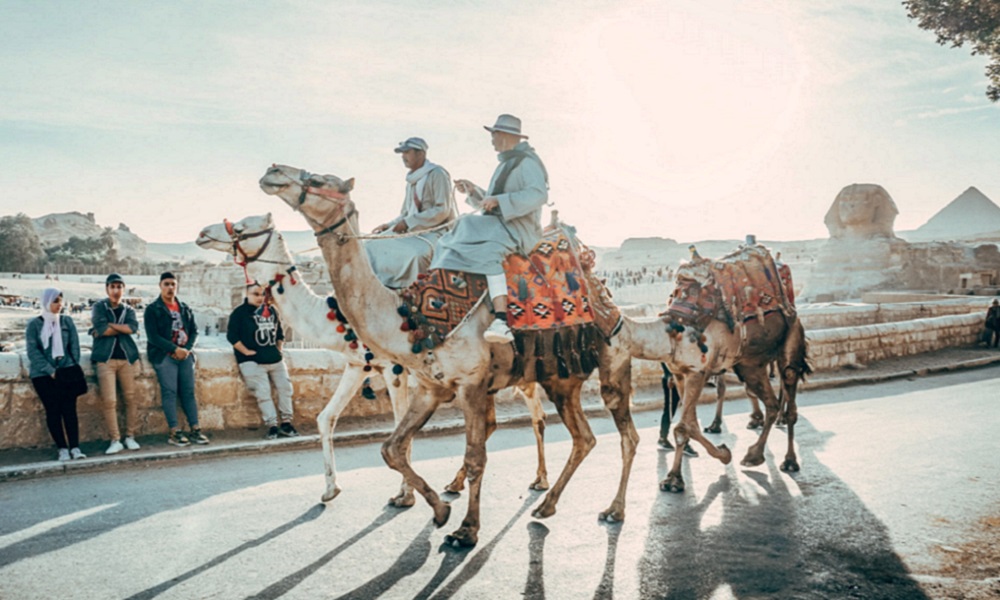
x,y
287,430
665,443
198,437
178,438
272,433
689,451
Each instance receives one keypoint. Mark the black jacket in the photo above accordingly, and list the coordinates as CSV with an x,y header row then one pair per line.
x,y
159,329
257,332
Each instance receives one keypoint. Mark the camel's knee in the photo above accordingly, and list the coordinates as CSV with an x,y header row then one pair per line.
x,y
326,423
393,454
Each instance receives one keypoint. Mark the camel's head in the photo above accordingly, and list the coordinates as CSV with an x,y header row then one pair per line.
x,y
324,200
245,239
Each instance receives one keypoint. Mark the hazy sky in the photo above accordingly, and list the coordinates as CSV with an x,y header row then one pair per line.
x,y
689,120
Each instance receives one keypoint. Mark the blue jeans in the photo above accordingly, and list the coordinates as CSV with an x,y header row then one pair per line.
x,y
177,379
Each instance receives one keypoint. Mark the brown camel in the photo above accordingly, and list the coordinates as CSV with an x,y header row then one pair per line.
x,y
778,338
256,243
464,368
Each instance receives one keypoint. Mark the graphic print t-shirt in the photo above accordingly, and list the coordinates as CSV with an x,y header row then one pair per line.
x,y
177,334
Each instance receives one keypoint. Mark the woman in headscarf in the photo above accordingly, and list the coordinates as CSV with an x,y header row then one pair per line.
x,y
53,344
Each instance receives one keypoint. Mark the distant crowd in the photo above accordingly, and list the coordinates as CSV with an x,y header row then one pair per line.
x,y
621,277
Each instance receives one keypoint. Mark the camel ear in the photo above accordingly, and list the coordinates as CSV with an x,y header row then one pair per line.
x,y
347,185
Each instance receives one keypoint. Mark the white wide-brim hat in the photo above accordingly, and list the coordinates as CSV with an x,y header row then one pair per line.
x,y
507,124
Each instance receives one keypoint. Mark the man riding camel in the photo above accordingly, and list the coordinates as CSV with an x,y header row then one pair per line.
x,y
428,203
510,221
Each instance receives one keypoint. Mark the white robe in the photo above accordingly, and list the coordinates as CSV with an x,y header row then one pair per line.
x,y
429,201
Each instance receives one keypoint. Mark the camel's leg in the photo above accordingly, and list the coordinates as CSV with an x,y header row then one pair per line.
x,y
756,416
720,397
794,366
790,412
616,391
396,450
478,407
757,381
533,401
400,399
565,394
326,421
692,384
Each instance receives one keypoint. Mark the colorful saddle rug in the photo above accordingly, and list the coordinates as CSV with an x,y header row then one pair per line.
x,y
743,285
545,291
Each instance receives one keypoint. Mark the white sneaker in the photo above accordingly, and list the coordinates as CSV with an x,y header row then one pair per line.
x,y
114,448
498,333
63,455
75,453
131,444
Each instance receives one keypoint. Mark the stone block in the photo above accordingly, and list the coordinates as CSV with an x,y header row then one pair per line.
x,y
315,361
213,362
10,366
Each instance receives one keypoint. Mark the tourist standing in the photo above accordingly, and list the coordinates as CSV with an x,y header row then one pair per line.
x,y
256,335
54,356
993,324
510,222
428,203
114,355
170,335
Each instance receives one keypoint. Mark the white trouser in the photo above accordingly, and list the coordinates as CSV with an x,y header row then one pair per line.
x,y
497,285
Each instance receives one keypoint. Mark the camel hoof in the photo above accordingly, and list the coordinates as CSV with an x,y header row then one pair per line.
x,y
752,460
755,424
463,537
674,483
441,513
455,487
790,466
330,494
665,443
402,500
713,428
727,455
544,511
539,485
612,515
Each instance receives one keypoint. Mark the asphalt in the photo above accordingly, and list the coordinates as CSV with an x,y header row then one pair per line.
x,y
30,463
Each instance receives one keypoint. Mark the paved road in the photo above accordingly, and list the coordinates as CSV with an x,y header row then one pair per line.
x,y
899,493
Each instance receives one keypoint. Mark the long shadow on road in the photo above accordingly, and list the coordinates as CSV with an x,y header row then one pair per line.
x,y
769,543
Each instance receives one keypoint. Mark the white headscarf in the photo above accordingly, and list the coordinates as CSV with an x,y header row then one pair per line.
x,y
50,327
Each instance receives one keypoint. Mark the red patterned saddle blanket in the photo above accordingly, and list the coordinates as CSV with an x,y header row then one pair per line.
x,y
546,290
743,285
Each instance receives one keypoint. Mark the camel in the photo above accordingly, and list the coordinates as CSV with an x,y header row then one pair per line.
x,y
255,243
464,368
778,338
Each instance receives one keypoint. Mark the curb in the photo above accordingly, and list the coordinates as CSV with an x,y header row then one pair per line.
x,y
104,463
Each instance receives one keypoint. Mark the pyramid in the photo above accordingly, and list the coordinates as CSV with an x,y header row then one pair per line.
x,y
970,214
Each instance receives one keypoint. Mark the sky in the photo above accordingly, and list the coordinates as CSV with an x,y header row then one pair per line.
x,y
685,120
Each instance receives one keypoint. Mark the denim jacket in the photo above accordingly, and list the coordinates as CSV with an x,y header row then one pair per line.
x,y
101,316
42,363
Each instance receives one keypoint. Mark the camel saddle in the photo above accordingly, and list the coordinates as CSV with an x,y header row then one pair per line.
x,y
551,300
743,285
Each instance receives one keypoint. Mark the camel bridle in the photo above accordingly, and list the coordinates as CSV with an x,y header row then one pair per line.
x,y
333,196
238,237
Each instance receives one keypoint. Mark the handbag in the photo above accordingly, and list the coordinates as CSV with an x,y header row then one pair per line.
x,y
73,379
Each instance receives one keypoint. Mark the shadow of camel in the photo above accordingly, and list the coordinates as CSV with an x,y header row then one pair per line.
x,y
770,543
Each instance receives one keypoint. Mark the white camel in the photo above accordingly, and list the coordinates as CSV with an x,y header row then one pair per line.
x,y
255,243
463,368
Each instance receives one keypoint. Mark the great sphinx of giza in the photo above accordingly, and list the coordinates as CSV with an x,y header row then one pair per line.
x,y
863,252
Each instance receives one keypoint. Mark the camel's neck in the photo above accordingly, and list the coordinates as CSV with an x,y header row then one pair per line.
x,y
370,307
300,308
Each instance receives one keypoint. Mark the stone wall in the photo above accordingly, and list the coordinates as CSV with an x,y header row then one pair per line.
x,y
841,346
855,315
224,402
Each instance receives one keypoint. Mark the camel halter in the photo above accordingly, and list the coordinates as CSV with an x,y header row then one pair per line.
x,y
333,196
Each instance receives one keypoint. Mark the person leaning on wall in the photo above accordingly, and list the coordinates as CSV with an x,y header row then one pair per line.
x,y
114,355
54,355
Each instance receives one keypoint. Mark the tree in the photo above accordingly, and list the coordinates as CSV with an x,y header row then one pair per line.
x,y
20,248
974,21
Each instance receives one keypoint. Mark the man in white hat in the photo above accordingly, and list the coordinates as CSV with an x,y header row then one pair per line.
x,y
510,222
428,202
